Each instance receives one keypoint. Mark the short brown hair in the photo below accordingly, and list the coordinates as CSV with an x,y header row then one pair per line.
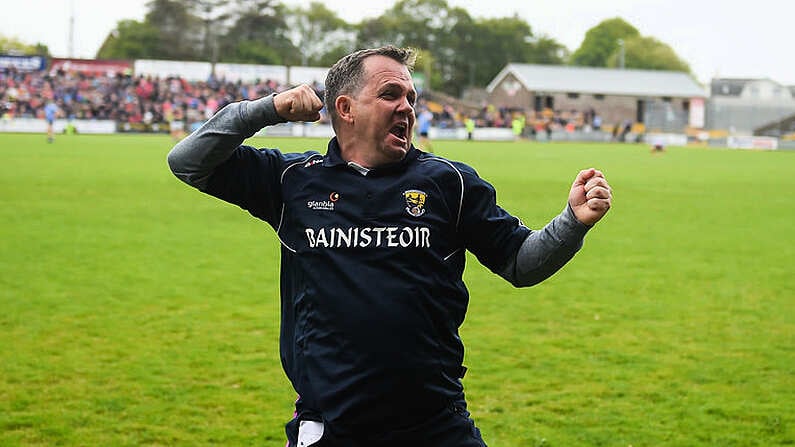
x,y
346,77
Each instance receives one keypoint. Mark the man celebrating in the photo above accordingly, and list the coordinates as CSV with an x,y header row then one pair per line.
x,y
373,238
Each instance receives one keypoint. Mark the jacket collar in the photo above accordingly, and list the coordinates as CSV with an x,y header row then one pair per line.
x,y
333,158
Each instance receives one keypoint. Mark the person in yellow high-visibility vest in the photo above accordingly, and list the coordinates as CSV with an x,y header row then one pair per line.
x,y
469,124
517,124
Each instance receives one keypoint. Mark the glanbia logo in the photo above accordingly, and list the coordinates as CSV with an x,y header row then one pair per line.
x,y
320,205
324,205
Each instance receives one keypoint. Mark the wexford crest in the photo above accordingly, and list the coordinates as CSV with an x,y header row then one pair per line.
x,y
415,202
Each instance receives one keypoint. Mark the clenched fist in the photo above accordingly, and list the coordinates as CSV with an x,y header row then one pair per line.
x,y
591,196
298,104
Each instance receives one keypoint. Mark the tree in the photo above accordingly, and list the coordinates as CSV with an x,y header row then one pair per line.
x,y
424,73
485,46
214,16
12,45
428,25
210,30
500,41
602,41
179,30
170,30
319,34
259,35
465,52
616,43
415,23
650,54
130,40
548,51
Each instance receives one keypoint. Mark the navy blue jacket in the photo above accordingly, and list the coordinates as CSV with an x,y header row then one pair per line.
x,y
372,289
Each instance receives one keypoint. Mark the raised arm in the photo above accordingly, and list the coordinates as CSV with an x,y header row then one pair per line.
x,y
194,158
545,251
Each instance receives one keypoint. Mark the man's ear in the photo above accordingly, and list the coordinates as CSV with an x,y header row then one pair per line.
x,y
344,105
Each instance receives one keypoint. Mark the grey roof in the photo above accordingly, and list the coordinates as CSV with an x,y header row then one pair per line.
x,y
728,87
606,81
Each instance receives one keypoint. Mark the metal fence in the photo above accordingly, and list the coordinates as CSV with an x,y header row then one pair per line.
x,y
744,118
663,116
741,119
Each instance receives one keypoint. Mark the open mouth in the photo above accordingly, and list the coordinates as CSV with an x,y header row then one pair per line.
x,y
399,130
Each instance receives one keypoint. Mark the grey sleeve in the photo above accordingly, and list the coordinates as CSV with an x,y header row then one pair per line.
x,y
545,251
194,159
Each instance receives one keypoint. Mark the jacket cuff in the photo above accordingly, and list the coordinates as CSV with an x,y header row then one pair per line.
x,y
568,227
262,112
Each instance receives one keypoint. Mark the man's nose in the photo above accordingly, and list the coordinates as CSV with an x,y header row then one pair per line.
x,y
405,105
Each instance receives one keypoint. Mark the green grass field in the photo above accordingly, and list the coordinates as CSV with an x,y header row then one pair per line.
x,y
137,311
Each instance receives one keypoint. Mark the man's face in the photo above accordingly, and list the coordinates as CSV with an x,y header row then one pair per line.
x,y
383,110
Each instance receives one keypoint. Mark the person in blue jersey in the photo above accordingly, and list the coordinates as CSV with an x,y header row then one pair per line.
x,y
373,235
50,114
424,121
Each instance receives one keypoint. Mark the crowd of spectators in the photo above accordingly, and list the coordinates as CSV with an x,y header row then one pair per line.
x,y
530,122
122,98
144,102
541,120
